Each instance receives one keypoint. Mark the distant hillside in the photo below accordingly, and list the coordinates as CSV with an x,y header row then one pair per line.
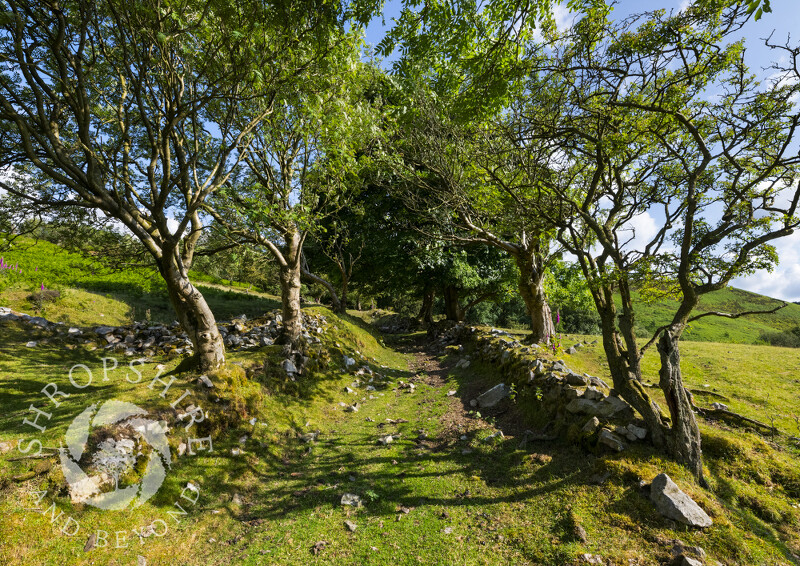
x,y
745,330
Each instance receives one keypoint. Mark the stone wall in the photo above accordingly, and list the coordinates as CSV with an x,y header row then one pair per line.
x,y
577,406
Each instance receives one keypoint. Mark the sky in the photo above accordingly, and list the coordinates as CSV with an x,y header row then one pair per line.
x,y
783,23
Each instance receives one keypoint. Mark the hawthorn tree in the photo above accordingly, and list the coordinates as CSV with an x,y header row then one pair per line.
x,y
634,136
136,110
301,165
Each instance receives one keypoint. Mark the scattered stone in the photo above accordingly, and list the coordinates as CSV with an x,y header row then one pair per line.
x,y
451,392
351,526
638,432
593,394
318,547
608,438
349,362
32,344
674,504
599,479
587,558
473,402
719,406
385,440
571,350
289,367
591,426
90,543
498,434
104,330
352,408
493,396
351,499
205,381
88,487
309,436
141,560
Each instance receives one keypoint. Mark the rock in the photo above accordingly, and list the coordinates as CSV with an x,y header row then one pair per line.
x,y
584,406
674,504
615,407
141,560
349,391
493,396
205,381
571,393
608,438
558,366
352,408
473,402
719,406
32,344
103,330
309,436
351,526
571,350
349,362
587,558
451,392
74,332
88,487
593,394
596,381
351,499
498,434
689,561
639,432
289,367
385,440
181,449
591,426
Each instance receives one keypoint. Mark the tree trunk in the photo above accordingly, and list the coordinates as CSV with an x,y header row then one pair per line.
x,y
343,296
684,438
194,315
290,290
452,309
624,364
531,289
426,311
335,303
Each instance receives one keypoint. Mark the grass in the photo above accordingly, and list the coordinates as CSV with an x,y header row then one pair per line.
x,y
92,294
744,330
444,500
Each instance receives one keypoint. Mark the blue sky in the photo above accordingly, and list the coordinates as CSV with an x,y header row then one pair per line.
x,y
784,22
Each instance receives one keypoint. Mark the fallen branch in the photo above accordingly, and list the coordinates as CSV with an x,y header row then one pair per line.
x,y
709,393
33,457
735,416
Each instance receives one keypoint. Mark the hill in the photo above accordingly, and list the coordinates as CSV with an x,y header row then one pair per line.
x,y
750,329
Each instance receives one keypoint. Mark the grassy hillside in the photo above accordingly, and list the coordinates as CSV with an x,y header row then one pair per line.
x,y
93,294
744,330
443,492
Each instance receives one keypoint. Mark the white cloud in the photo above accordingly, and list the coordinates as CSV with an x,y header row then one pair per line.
x,y
784,281
172,225
638,232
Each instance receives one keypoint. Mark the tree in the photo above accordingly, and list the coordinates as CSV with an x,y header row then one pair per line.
x,y
454,176
299,165
134,109
634,135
